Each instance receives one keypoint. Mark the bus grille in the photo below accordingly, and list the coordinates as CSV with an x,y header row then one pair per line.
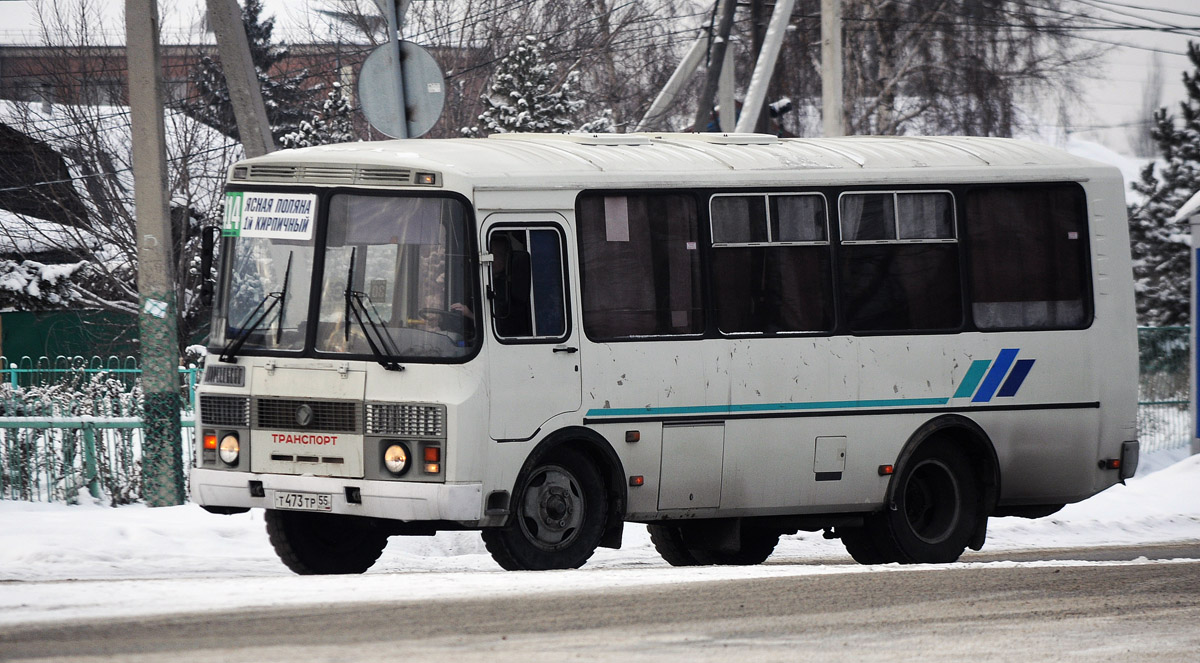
x,y
409,420
325,174
225,410
330,417
226,376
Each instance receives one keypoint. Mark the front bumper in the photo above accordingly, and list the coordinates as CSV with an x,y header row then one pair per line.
x,y
396,500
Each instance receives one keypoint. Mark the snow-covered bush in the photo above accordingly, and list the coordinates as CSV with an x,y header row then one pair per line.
x,y
50,463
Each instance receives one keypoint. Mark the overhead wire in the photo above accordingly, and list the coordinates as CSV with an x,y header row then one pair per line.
x,y
1100,24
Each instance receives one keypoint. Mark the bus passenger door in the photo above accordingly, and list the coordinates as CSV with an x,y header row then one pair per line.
x,y
533,346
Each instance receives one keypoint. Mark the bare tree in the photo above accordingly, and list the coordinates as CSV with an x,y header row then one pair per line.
x,y
936,66
84,176
1141,132
621,52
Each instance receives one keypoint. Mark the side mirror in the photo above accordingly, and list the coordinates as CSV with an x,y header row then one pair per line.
x,y
208,244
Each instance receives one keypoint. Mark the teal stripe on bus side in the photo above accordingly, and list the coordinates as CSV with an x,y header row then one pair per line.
x,y
763,407
974,375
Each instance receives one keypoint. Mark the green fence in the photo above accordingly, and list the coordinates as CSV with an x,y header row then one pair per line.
x,y
71,426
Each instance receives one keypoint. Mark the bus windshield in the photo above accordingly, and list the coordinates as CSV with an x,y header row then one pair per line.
x,y
396,280
264,294
396,284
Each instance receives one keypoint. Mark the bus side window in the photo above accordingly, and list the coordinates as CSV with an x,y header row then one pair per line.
x,y
639,265
528,297
771,263
898,266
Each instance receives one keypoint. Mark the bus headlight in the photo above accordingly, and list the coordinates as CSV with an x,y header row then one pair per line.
x,y
395,459
230,449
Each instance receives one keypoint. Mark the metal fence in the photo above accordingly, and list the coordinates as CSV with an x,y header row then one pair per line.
x,y
71,426
1163,393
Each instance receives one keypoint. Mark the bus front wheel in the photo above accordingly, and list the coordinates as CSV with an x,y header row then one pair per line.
x,y
558,518
319,543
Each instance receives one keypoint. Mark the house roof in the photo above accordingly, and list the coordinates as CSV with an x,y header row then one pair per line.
x,y
182,21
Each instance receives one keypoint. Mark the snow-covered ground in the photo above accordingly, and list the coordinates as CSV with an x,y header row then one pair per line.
x,y
91,561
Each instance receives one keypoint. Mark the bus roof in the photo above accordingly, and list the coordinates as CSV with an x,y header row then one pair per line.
x,y
565,160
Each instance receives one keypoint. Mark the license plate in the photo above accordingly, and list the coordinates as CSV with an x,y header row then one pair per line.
x,y
303,501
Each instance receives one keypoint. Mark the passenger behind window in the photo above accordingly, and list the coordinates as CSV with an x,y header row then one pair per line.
x,y
511,282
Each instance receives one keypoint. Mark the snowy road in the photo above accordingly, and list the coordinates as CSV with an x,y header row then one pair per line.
x,y
1144,611
199,583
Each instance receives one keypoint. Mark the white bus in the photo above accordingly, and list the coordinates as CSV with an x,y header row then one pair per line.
x,y
727,337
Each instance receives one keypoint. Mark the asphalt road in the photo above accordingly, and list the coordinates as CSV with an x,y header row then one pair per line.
x,y
1141,612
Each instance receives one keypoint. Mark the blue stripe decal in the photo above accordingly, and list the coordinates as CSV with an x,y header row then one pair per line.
x,y
995,376
974,375
1013,383
762,407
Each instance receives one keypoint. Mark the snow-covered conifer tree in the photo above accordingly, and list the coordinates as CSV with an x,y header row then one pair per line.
x,y
28,285
332,124
603,123
1161,255
524,98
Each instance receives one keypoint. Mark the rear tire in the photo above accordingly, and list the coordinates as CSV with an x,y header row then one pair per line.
x,y
320,544
560,509
668,541
672,542
864,546
933,513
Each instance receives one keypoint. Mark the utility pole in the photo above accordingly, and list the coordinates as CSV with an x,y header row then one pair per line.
x,y
679,78
832,121
393,11
765,66
758,29
245,94
716,62
162,456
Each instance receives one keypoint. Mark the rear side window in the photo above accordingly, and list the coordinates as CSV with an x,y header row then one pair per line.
x,y
640,264
1028,257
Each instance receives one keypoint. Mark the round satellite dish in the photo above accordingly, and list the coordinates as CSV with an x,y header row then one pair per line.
x,y
424,91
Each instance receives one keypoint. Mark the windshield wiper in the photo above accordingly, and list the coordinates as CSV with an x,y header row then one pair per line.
x,y
382,345
287,275
256,318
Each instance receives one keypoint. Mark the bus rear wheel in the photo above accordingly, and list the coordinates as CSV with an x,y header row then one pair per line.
x,y
559,513
934,511
320,544
673,543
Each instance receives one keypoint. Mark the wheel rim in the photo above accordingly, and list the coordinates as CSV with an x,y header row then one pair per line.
x,y
931,501
552,509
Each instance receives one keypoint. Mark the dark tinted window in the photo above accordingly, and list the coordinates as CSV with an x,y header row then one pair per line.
x,y
898,266
640,264
1028,257
782,283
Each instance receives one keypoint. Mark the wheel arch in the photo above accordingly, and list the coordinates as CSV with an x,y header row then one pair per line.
x,y
978,446
600,453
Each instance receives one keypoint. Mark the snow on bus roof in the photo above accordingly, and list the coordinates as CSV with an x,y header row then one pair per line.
x,y
607,157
